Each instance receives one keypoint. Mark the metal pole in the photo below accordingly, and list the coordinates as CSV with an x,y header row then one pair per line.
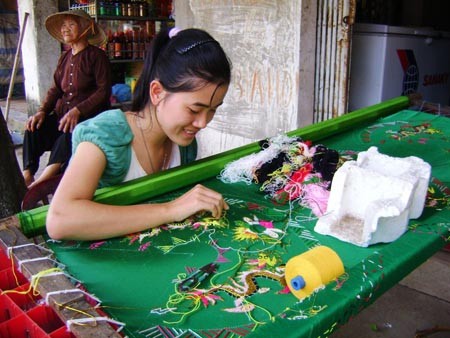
x,y
16,61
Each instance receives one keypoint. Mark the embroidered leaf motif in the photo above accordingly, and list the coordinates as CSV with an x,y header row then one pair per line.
x,y
166,248
177,240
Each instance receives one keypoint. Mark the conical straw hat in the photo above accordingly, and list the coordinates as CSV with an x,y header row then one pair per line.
x,y
96,35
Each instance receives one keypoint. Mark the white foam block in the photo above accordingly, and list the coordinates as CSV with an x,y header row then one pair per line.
x,y
372,199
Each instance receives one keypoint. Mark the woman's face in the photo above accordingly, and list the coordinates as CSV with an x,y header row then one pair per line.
x,y
70,30
182,115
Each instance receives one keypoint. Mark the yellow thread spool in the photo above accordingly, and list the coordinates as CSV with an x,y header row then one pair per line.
x,y
307,272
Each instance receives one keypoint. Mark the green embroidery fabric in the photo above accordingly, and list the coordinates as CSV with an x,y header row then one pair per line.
x,y
136,276
32,222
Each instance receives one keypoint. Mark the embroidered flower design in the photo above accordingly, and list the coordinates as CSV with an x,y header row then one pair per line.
x,y
205,298
242,233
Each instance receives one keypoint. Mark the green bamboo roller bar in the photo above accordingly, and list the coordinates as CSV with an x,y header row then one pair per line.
x,y
32,222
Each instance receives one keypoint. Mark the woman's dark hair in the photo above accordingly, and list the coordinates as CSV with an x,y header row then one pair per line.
x,y
183,63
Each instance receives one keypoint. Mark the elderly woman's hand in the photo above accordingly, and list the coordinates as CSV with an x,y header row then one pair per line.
x,y
69,120
35,121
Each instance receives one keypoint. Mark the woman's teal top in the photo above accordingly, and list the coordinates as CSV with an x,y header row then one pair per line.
x,y
111,133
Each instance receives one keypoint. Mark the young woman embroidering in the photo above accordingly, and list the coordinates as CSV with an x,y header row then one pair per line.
x,y
184,81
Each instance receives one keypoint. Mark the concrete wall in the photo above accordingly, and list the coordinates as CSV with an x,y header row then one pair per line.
x,y
263,40
40,52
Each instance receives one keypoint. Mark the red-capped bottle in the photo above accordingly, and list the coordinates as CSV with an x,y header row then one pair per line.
x,y
117,46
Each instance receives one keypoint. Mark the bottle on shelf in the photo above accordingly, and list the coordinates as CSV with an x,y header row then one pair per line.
x,y
135,44
101,8
130,25
149,6
110,48
107,8
141,40
129,43
143,8
129,8
163,8
117,45
118,8
150,28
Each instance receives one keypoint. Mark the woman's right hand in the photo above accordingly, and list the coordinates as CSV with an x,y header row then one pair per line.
x,y
35,121
198,199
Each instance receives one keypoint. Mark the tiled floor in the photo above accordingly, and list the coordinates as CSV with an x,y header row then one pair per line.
x,y
421,301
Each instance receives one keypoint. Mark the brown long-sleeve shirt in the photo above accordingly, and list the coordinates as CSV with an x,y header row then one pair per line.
x,y
83,81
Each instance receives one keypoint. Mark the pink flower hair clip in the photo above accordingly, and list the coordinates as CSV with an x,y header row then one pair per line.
x,y
174,31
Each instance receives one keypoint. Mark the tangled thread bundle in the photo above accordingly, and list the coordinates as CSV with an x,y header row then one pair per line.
x,y
288,169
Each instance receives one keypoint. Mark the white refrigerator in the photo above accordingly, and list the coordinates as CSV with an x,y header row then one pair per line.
x,y
389,61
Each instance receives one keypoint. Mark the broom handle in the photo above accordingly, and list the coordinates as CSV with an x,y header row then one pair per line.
x,y
14,70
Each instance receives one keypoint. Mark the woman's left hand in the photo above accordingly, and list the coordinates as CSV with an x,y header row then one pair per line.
x,y
69,120
198,199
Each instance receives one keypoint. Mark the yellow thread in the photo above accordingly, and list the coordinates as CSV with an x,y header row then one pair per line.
x,y
94,324
34,283
14,270
255,327
183,315
237,265
311,270
271,318
177,298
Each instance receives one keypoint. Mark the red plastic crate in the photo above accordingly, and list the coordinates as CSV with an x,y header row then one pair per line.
x,y
5,262
21,327
46,318
25,301
8,309
8,281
